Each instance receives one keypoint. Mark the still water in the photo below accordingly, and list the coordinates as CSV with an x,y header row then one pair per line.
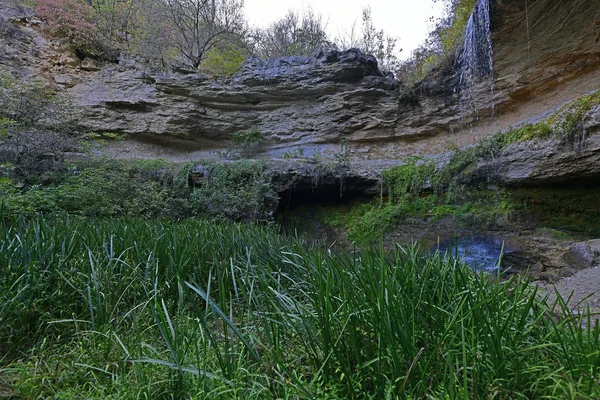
x,y
481,253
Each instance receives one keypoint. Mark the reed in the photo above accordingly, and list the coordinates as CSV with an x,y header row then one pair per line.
x,y
126,308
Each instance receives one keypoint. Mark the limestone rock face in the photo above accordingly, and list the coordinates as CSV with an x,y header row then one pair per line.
x,y
15,42
543,56
550,161
315,102
297,100
353,178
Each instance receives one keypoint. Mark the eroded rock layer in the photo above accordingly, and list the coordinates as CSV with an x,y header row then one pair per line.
x,y
290,101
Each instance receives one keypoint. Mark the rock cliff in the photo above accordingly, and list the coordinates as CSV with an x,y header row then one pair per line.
x,y
546,162
310,105
292,101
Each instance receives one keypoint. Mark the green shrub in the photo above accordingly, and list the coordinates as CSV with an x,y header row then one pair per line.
x,y
6,127
491,147
36,128
105,188
239,190
244,144
31,104
112,136
225,60
407,179
569,210
450,176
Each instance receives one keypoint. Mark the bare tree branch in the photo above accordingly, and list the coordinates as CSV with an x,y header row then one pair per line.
x,y
201,24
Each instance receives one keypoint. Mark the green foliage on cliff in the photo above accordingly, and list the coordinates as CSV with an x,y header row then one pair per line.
x,y
407,179
452,34
439,49
144,188
225,60
6,126
244,144
566,124
234,191
29,104
36,127
369,223
417,189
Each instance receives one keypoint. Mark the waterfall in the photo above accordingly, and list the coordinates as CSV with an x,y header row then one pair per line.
x,y
476,59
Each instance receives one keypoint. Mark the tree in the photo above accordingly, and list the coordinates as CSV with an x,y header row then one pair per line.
x,y
373,41
225,58
35,126
150,34
292,35
439,49
73,20
201,24
116,18
377,43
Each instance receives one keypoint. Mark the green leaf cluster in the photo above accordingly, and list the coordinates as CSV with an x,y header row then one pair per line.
x,y
225,60
244,144
239,190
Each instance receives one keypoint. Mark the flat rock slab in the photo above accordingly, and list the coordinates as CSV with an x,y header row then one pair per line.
x,y
582,289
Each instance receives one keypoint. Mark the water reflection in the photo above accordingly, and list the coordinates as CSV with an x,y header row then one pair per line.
x,y
481,253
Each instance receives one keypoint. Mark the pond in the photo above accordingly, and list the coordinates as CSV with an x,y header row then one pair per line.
x,y
481,253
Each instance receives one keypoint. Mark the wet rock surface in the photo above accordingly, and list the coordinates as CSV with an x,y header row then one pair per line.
x,y
580,290
355,177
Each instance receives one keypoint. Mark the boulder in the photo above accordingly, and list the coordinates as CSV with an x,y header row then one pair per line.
x,y
581,256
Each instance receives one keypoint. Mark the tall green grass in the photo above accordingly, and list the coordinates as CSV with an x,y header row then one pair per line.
x,y
191,309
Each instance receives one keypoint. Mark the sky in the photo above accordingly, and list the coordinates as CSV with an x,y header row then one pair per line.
x,y
409,20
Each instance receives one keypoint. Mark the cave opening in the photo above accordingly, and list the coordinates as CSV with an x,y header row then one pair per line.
x,y
304,207
326,195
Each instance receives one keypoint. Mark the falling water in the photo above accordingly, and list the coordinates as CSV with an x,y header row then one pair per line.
x,y
476,59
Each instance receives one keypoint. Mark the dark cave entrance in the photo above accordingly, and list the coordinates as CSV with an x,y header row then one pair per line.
x,y
304,206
